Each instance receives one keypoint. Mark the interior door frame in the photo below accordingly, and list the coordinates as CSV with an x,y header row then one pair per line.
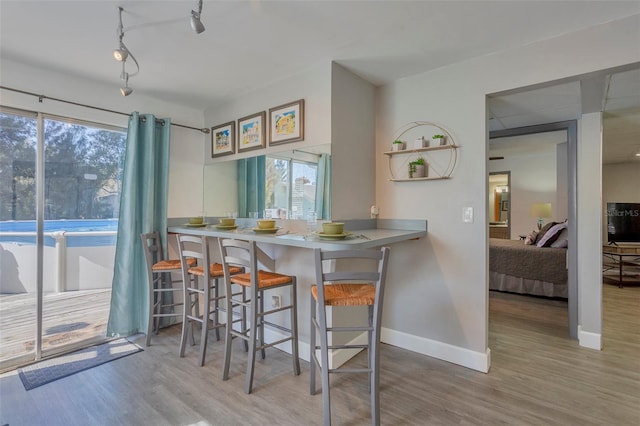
x,y
571,128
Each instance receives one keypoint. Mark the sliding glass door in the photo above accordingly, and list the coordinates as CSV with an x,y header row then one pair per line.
x,y
58,228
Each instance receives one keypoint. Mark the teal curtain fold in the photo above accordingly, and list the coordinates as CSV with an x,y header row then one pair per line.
x,y
323,187
251,185
143,208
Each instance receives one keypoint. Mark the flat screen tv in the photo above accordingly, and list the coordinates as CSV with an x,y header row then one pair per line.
x,y
623,222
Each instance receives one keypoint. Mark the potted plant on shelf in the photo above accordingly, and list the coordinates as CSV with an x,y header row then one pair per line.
x,y
397,145
417,168
440,139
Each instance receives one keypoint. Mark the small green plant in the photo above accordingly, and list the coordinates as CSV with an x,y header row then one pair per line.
x,y
398,141
438,136
412,165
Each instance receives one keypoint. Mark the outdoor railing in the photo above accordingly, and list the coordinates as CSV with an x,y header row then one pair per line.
x,y
72,260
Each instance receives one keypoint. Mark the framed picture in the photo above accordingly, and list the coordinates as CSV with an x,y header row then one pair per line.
x,y
286,123
505,206
251,132
223,138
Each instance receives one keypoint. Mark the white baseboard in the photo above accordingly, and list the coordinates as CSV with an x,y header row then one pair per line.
x,y
475,360
589,340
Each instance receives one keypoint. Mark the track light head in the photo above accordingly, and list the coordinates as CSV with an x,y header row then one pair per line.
x,y
121,53
126,91
196,23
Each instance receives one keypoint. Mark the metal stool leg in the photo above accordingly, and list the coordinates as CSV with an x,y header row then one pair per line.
x,y
293,294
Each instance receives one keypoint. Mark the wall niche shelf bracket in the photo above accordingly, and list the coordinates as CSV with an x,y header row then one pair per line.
x,y
441,159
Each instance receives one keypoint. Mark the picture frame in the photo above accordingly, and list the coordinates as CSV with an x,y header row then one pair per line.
x,y
286,123
504,206
251,132
223,139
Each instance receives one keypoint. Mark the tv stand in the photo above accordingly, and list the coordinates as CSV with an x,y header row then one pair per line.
x,y
612,243
625,258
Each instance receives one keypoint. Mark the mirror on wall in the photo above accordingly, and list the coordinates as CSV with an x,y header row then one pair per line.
x,y
293,183
499,204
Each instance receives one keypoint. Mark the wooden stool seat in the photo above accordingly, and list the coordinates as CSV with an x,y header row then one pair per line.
x,y
265,279
347,294
170,265
215,270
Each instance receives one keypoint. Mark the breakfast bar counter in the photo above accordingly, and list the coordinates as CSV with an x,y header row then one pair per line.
x,y
363,234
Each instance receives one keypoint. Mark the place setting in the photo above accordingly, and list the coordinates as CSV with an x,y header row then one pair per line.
x,y
227,223
196,222
333,231
266,226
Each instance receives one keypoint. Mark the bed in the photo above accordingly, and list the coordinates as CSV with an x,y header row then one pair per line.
x,y
527,269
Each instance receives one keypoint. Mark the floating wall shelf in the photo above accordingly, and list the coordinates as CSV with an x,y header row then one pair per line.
x,y
441,159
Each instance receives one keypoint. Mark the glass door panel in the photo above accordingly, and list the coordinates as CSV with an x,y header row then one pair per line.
x,y
18,254
82,170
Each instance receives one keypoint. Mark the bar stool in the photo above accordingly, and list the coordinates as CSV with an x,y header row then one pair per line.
x,y
162,302
358,286
245,254
197,248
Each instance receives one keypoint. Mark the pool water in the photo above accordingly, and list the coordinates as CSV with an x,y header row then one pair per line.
x,y
76,225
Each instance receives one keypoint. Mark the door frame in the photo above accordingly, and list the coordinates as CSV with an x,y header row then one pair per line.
x,y
571,128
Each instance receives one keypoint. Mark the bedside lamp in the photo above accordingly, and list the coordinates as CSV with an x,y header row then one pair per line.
x,y
541,211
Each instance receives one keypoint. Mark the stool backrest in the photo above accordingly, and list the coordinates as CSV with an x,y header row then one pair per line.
x,y
152,248
193,247
355,269
239,253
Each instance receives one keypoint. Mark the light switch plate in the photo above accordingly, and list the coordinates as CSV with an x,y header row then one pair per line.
x,y
467,214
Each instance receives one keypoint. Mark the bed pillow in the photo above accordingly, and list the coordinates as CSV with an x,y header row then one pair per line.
x,y
551,235
544,230
563,239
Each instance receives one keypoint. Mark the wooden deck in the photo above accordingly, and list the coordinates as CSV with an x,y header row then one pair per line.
x,y
71,318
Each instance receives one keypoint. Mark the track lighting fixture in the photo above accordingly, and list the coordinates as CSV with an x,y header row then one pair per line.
x,y
121,54
196,23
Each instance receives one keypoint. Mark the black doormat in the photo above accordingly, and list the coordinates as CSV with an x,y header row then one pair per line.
x,y
47,371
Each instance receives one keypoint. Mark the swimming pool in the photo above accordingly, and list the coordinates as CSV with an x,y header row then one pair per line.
x,y
78,232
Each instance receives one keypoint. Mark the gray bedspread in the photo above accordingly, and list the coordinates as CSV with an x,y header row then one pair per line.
x,y
514,258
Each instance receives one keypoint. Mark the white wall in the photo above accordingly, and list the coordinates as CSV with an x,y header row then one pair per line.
x,y
353,149
589,218
533,180
619,185
185,163
438,286
313,85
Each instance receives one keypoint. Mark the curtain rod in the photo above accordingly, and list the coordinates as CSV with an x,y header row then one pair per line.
x,y
43,97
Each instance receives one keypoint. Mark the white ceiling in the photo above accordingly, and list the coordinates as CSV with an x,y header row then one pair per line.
x,y
620,99
251,44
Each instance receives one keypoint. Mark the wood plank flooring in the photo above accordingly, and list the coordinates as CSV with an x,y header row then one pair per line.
x,y
538,377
